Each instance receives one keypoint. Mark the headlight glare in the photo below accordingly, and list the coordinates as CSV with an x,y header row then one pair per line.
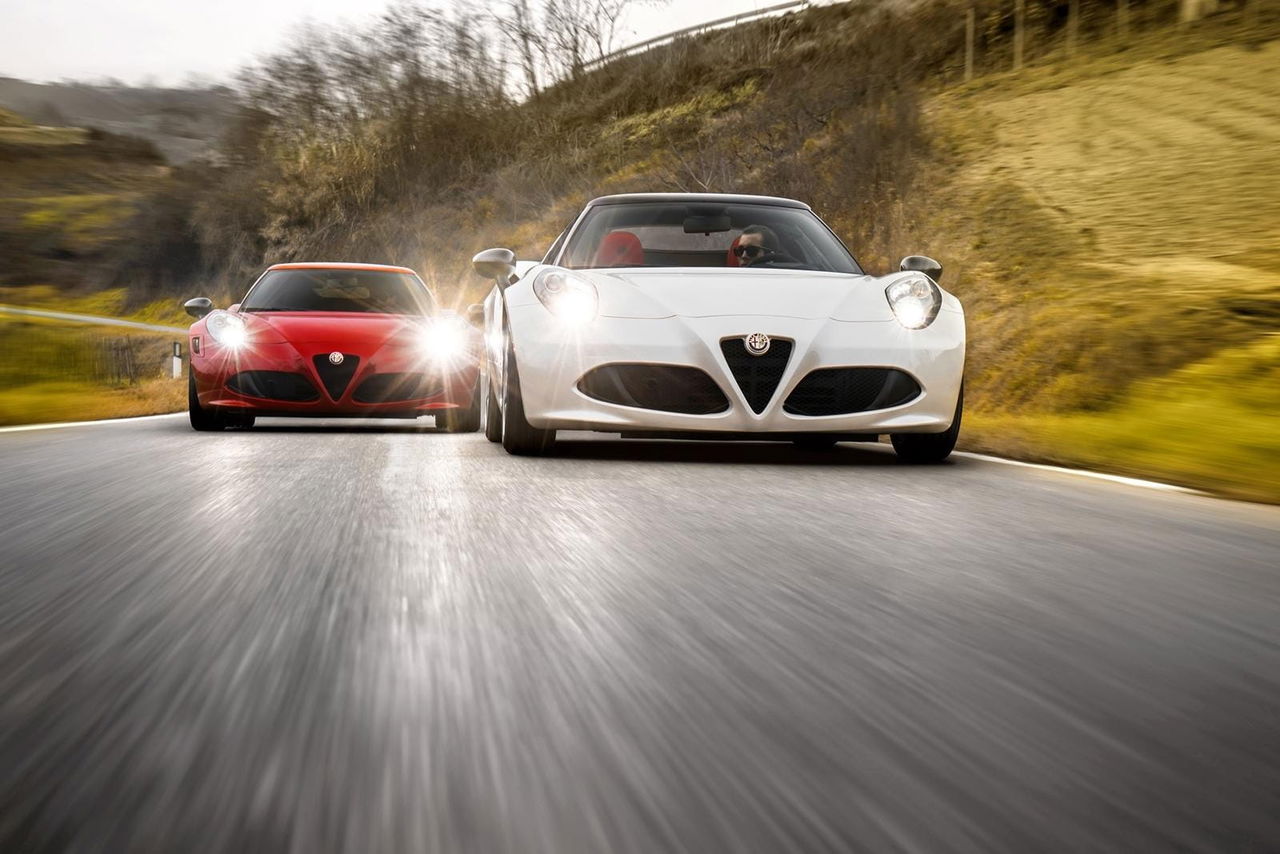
x,y
571,298
227,329
444,341
915,300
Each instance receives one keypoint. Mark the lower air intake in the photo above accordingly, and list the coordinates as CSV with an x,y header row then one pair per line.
x,y
389,388
665,388
757,376
841,391
274,385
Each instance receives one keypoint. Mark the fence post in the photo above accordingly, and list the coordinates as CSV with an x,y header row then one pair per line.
x,y
177,360
1073,26
969,27
1019,16
130,362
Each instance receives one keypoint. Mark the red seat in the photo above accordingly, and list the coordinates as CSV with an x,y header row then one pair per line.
x,y
620,249
732,260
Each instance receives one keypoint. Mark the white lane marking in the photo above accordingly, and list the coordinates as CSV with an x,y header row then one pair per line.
x,y
1096,475
22,428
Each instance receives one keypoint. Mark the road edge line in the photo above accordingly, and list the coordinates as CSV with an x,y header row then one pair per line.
x,y
1096,475
55,425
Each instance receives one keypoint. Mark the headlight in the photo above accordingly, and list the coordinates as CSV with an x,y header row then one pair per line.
x,y
227,329
444,341
915,300
571,298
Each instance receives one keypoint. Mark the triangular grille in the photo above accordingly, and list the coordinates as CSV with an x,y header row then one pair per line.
x,y
336,378
757,376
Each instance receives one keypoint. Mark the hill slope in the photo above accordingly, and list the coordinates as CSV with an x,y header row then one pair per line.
x,y
1117,233
182,123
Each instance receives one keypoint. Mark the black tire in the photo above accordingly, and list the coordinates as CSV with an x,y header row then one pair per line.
x,y
207,421
201,419
463,420
519,437
815,442
492,413
928,448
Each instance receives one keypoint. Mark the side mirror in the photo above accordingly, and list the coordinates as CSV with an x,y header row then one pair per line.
x,y
496,264
233,309
475,314
198,307
921,264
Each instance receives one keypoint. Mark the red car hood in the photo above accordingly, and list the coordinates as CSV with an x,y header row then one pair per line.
x,y
352,329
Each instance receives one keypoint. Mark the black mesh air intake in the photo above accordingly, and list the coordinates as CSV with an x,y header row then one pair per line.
x,y
274,385
336,377
757,376
387,388
666,388
840,391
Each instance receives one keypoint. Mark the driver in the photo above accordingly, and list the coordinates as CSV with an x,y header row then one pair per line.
x,y
757,243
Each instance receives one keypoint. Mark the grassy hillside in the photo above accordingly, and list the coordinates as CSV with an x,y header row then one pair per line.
x,y
67,200
51,371
1114,235
183,124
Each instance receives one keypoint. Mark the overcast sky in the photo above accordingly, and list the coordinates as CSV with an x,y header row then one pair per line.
x,y
166,41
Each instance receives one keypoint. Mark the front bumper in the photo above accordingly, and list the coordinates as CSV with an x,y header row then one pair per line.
x,y
214,366
551,359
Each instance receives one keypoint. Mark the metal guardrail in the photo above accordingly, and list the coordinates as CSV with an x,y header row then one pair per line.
x,y
89,318
729,20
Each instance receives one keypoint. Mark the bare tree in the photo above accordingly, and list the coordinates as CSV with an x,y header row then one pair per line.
x,y
520,27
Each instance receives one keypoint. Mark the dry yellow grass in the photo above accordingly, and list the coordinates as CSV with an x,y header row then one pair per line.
x,y
48,402
1116,238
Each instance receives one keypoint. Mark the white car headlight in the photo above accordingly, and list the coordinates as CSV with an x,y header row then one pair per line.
x,y
571,298
227,329
915,300
444,341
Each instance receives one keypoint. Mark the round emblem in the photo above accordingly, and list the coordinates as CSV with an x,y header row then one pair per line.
x,y
757,343
335,358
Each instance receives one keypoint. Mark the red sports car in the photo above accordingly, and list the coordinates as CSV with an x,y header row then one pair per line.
x,y
333,341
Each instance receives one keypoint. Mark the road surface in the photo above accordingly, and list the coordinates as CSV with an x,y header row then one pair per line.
x,y
319,637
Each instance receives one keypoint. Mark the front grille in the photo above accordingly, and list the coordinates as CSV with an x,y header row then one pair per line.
x,y
666,388
274,385
840,391
336,377
386,388
757,376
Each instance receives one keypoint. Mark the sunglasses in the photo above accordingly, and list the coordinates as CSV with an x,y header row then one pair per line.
x,y
749,251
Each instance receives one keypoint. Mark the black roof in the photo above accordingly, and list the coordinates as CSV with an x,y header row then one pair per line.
x,y
716,198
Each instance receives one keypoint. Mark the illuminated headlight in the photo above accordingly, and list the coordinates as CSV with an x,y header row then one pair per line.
x,y
571,298
915,300
227,329
444,341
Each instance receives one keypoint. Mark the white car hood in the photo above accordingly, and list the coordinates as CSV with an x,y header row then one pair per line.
x,y
692,292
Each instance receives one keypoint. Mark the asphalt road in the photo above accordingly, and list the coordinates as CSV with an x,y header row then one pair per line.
x,y
315,638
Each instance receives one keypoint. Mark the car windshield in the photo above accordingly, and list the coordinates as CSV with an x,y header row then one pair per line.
x,y
702,234
372,291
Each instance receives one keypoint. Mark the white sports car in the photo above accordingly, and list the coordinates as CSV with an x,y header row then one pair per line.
x,y
719,317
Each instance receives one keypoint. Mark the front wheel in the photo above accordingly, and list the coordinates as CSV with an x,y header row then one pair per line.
x,y
925,448
464,419
203,420
519,437
492,413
